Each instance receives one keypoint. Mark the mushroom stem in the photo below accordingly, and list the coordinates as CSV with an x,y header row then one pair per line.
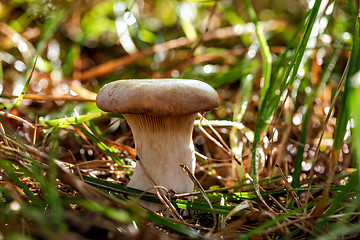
x,y
163,144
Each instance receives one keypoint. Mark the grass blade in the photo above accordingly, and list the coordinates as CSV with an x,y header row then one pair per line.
x,y
21,96
338,201
76,120
268,106
343,118
265,51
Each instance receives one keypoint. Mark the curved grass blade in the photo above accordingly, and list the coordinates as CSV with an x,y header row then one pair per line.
x,y
343,118
21,96
184,204
269,104
355,113
265,51
76,120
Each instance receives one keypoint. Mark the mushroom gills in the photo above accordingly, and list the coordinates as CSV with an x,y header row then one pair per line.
x,y
162,144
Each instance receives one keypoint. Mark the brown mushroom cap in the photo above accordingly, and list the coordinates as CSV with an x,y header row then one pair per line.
x,y
157,97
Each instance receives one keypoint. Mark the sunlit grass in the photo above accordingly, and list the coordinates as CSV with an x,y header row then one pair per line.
x,y
289,87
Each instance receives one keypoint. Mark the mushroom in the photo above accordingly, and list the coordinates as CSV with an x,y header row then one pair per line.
x,y
161,114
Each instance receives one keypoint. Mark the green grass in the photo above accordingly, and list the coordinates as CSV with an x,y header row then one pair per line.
x,y
289,113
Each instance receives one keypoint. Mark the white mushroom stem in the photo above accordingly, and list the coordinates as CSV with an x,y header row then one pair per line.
x,y
163,144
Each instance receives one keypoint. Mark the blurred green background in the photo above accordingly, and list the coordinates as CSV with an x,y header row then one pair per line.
x,y
286,75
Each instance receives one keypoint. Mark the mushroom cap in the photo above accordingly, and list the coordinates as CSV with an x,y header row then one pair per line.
x,y
157,97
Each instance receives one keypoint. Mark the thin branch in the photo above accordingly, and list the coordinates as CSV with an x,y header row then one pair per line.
x,y
221,33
